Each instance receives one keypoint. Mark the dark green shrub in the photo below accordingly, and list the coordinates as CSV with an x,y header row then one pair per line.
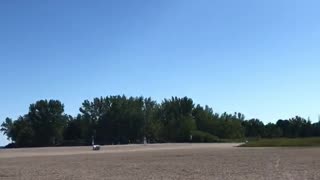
x,y
200,136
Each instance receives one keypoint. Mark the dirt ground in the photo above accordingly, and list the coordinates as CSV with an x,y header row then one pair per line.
x,y
165,161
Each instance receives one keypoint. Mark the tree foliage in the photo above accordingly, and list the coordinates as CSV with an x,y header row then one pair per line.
x,y
43,125
122,120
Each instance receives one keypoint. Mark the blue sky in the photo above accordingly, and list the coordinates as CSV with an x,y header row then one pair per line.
x,y
260,58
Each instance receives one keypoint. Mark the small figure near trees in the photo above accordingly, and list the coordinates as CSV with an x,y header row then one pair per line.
x,y
145,140
95,147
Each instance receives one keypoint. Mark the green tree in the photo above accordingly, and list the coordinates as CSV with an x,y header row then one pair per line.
x,y
272,131
254,128
47,121
177,119
7,128
230,126
152,125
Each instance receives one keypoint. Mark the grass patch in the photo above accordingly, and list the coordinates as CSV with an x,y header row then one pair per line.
x,y
284,142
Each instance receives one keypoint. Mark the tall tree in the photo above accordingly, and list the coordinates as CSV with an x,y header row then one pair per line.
x,y
177,118
7,128
254,128
48,122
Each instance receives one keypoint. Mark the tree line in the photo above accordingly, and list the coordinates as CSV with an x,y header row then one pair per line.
x,y
123,120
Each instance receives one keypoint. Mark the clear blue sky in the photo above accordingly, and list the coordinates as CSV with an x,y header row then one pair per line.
x,y
260,58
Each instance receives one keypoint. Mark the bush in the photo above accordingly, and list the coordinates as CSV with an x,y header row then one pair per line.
x,y
11,145
200,136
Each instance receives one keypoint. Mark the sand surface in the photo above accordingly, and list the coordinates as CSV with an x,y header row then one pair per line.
x,y
160,161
